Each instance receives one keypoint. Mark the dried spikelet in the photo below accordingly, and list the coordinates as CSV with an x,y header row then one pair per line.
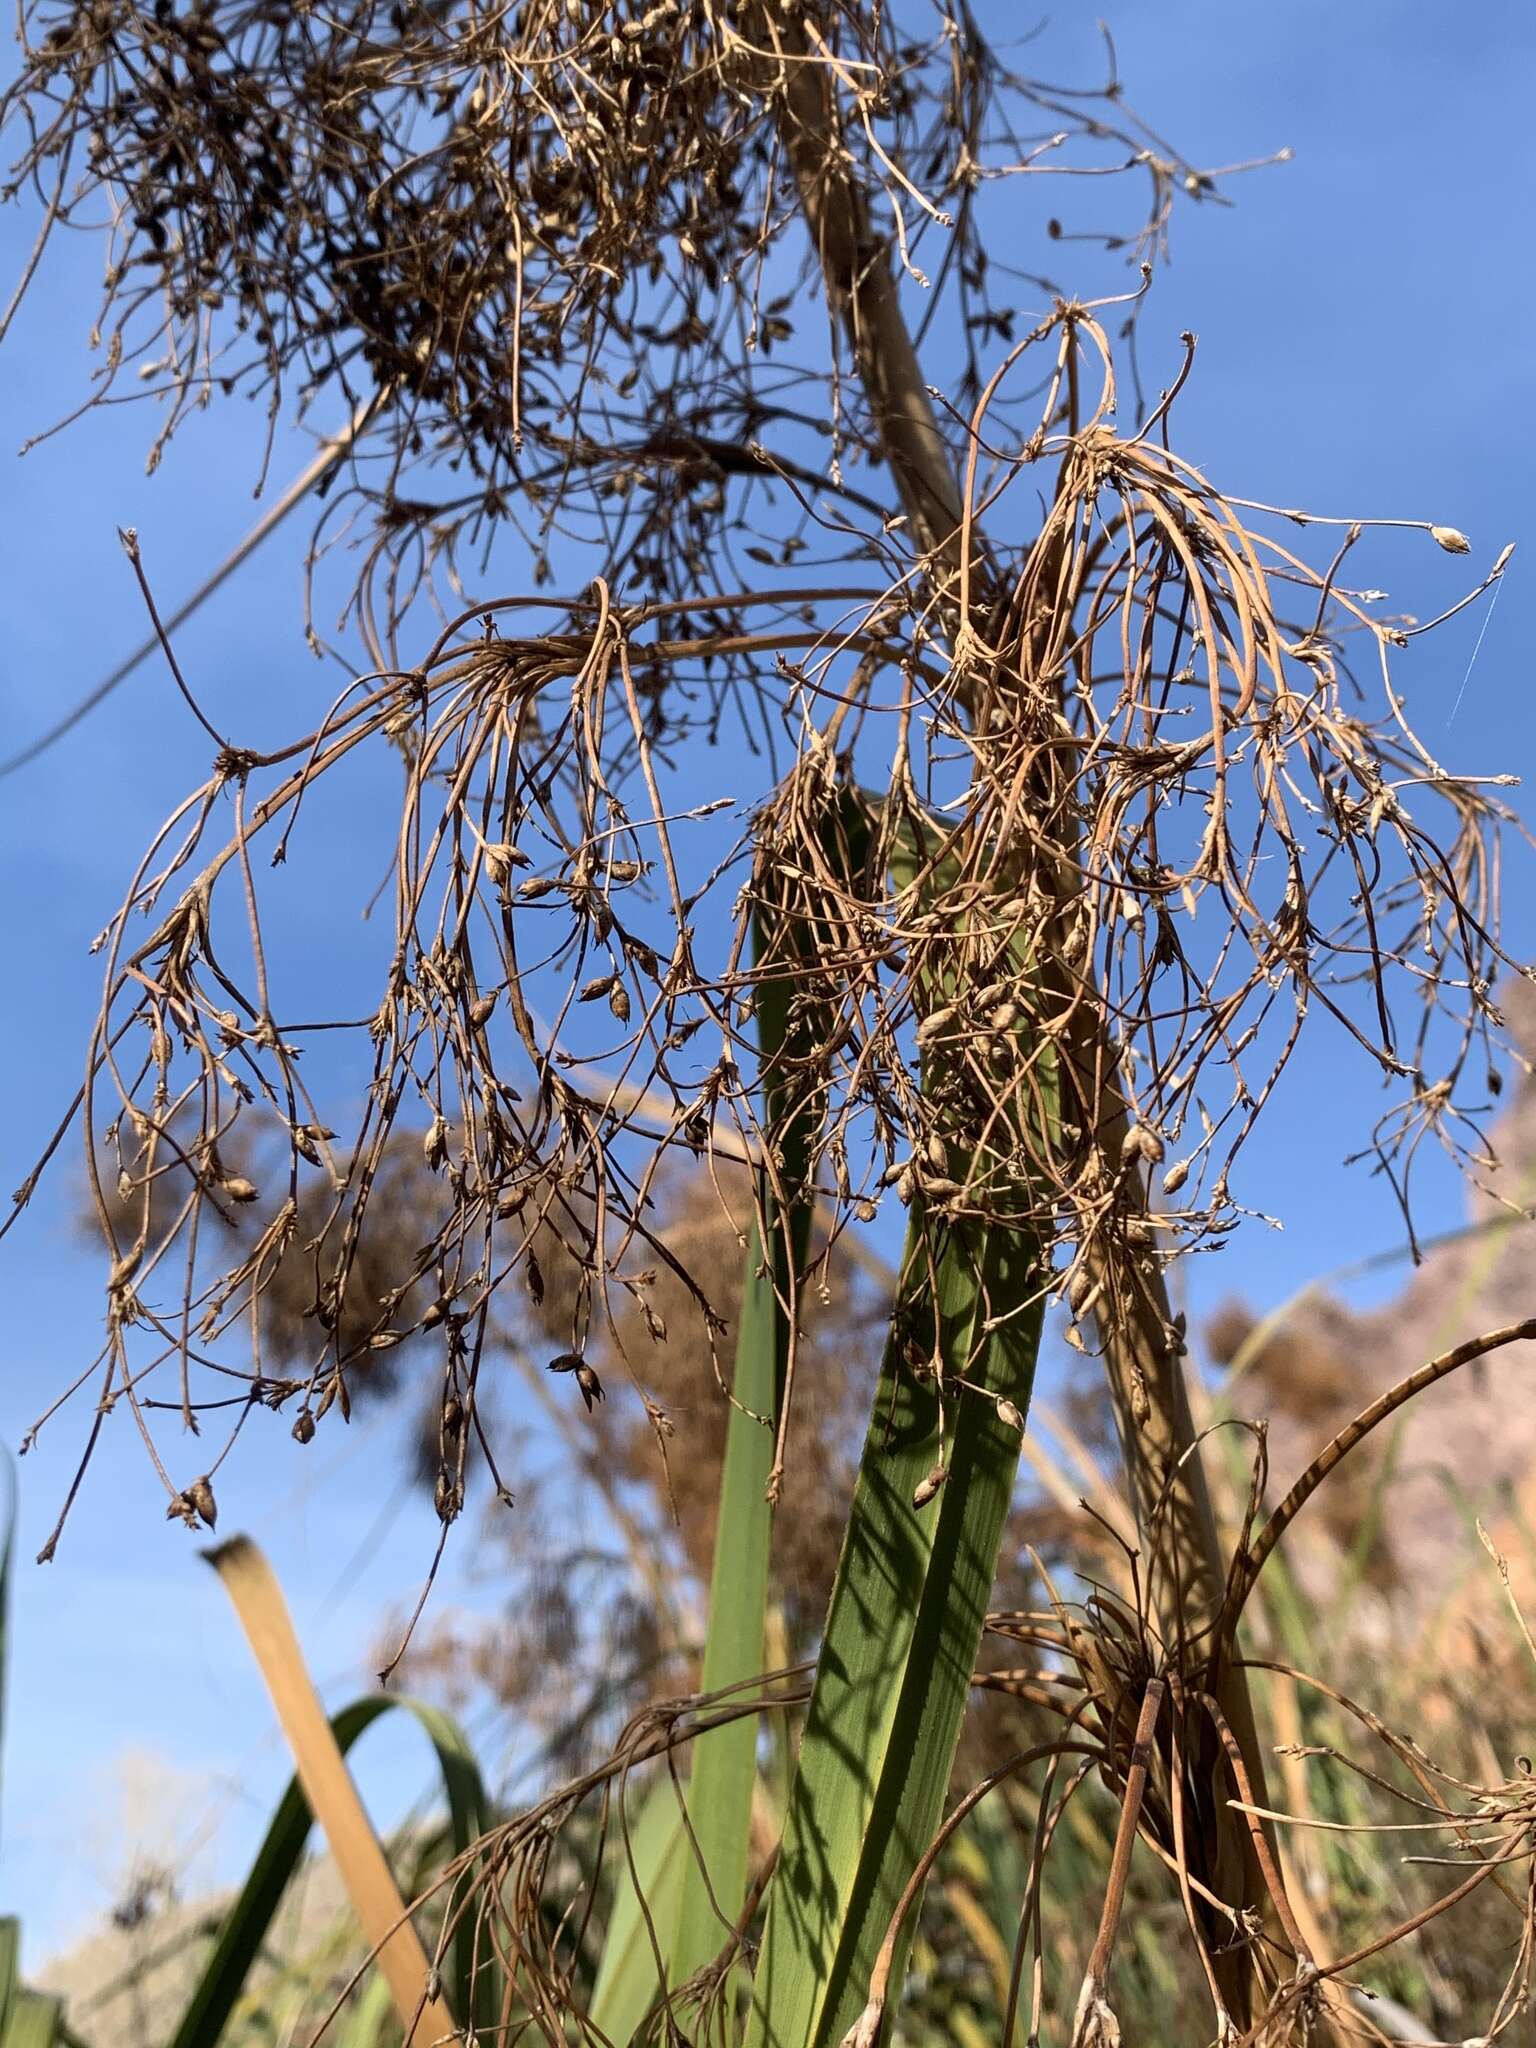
x,y
928,1486
1141,1142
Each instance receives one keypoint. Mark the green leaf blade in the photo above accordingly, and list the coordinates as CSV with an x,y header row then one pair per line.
x,y
628,1976
724,1768
909,1602
239,1942
895,1670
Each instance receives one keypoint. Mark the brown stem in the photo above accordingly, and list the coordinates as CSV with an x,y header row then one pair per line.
x,y
1097,1974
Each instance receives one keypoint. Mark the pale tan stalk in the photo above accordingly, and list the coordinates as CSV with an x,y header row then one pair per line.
x,y
333,1798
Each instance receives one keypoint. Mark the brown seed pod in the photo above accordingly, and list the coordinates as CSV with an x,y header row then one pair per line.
x,y
927,1487
591,1386
1142,1142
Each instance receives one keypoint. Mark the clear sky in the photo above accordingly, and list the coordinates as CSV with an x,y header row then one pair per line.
x,y
1365,316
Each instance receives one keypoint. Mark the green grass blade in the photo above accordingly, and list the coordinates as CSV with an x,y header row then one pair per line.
x,y
372,2018
10,1968
245,1929
792,1029
724,1764
894,1675
724,1768
628,1978
34,2021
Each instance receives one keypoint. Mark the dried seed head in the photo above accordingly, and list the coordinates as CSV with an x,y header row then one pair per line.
x,y
1142,1142
934,1024
303,1427
572,1361
1176,1176
926,1488
1453,542
599,986
591,1386
500,860
200,1494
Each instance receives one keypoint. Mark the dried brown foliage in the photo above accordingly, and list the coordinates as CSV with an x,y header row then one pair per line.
x,y
537,839
1049,830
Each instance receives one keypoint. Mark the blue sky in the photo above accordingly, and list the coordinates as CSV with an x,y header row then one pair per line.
x,y
1365,316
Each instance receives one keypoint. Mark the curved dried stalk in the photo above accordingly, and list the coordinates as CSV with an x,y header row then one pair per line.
x,y
1252,1557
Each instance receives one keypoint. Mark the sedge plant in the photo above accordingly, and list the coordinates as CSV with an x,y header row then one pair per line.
x,y
1063,788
